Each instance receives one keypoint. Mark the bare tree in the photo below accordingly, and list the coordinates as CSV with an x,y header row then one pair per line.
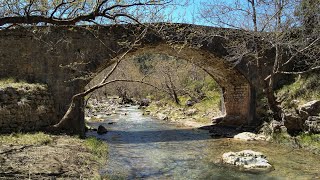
x,y
273,28
72,12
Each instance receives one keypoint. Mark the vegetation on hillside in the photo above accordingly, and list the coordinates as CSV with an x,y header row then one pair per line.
x,y
20,84
175,84
305,88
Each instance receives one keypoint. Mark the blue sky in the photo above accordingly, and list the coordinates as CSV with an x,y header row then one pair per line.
x,y
187,14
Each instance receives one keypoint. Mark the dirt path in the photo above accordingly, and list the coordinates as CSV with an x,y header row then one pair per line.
x,y
65,157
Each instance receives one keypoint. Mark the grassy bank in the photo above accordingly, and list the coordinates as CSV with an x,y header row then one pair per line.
x,y
202,111
303,89
26,139
310,142
39,155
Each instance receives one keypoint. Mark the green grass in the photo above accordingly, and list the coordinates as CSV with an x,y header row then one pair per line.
x,y
304,89
11,82
282,138
96,147
212,101
26,139
309,140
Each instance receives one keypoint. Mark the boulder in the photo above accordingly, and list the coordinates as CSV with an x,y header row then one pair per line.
x,y
312,108
162,116
248,136
217,120
247,160
189,103
191,112
276,126
293,121
101,130
312,124
144,102
126,100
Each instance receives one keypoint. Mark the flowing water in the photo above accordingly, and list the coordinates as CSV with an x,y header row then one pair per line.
x,y
142,147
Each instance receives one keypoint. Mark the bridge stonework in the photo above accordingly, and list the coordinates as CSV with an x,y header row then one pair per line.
x,y
56,55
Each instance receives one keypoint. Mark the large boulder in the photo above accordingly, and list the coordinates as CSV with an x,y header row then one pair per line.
x,y
247,160
312,108
190,103
144,102
312,124
293,121
249,136
191,112
101,130
126,100
162,116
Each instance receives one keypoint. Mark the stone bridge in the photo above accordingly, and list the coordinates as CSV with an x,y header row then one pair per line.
x,y
58,55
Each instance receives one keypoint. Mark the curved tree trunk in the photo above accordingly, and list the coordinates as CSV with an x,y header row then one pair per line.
x,y
73,120
272,101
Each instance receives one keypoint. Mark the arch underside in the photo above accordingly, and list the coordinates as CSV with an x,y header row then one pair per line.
x,y
235,87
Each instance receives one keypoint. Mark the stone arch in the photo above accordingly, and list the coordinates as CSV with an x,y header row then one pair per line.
x,y
236,89
46,55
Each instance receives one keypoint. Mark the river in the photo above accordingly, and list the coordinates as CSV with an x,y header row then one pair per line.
x,y
142,147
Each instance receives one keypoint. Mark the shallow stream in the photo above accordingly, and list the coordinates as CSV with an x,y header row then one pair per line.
x,y
142,147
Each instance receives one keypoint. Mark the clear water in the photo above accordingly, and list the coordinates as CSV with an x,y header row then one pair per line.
x,y
142,147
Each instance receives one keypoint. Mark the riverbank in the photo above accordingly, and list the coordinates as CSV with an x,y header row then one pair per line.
x,y
190,116
199,117
39,155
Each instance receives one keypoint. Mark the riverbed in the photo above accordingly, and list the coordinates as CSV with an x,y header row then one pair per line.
x,y
143,147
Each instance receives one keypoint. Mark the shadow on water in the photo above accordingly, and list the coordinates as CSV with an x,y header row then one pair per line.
x,y
151,136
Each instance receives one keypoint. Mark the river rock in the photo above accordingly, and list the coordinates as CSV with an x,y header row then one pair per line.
x,y
101,130
293,121
189,103
312,124
191,112
247,160
162,116
248,136
145,102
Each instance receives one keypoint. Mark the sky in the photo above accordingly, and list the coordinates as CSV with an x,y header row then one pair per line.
x,y
188,13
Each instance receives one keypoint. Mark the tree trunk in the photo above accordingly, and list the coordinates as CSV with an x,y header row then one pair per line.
x,y
73,120
272,102
175,96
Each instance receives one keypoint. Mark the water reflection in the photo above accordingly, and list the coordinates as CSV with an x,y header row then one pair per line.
x,y
137,137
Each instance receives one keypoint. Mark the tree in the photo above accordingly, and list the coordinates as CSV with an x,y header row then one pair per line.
x,y
72,12
308,12
273,28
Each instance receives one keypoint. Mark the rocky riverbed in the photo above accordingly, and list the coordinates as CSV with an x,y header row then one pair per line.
x,y
145,147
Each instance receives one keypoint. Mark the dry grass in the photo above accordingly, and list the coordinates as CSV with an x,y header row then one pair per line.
x,y
41,156
26,139
11,82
